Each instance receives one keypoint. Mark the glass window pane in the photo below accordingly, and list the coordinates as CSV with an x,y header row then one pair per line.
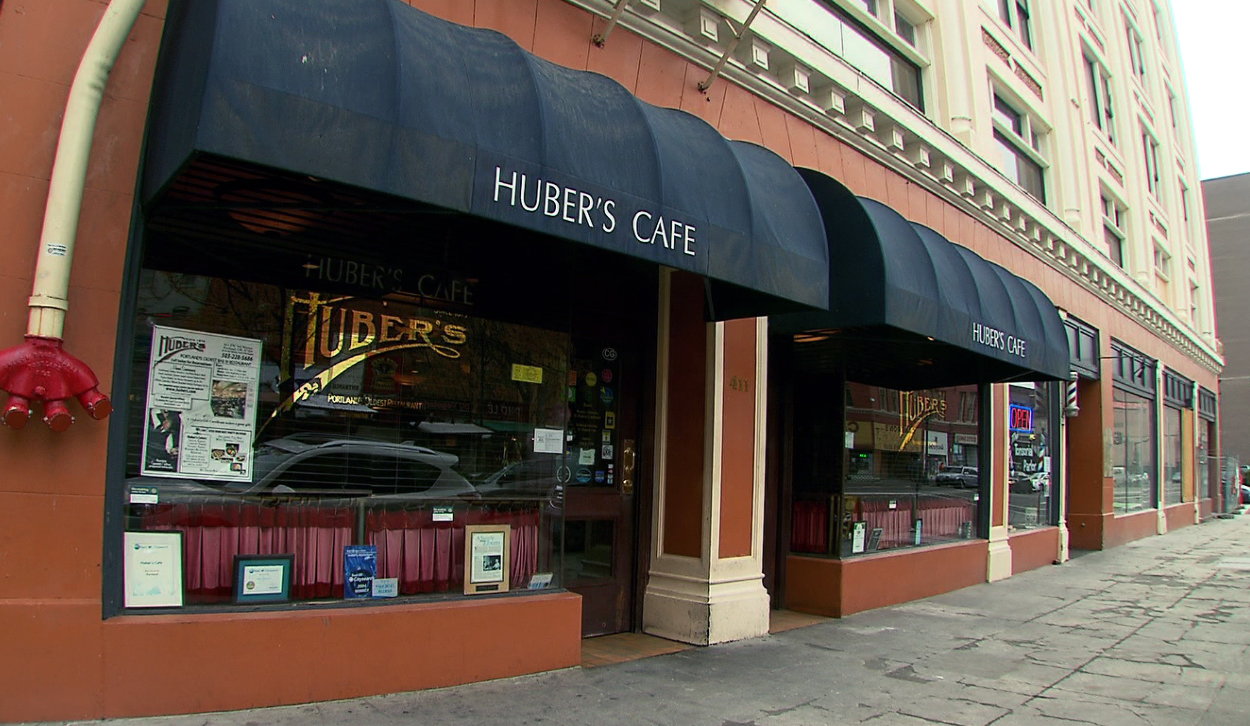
x,y
1009,116
413,426
1133,446
866,56
589,547
907,474
1173,492
1030,456
1020,168
905,29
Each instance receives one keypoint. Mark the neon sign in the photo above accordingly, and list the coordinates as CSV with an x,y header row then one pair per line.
x,y
1020,418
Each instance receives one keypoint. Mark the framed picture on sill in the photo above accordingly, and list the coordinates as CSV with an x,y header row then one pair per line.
x,y
486,558
153,569
262,578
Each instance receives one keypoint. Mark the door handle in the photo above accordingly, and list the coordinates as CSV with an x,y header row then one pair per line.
x,y
627,467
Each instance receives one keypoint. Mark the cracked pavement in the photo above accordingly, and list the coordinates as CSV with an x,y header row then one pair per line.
x,y
1153,633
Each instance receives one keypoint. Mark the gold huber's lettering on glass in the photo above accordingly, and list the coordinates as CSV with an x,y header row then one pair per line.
x,y
914,409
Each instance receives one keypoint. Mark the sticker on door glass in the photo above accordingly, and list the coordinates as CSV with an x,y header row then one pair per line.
x,y
527,374
548,441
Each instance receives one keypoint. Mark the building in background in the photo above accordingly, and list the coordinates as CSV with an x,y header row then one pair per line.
x,y
1227,204
441,335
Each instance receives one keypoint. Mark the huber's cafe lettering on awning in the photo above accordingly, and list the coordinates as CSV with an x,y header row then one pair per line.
x,y
999,340
582,209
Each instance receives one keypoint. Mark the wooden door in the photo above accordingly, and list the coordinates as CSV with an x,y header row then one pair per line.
x,y
600,502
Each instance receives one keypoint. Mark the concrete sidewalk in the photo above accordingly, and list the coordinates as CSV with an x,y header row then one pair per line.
x,y
1155,632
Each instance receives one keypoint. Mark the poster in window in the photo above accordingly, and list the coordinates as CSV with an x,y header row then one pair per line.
x,y
200,417
153,569
360,567
486,555
263,578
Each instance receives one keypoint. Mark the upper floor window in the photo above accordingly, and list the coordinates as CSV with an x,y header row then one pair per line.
x,y
1113,229
1172,116
1019,147
1101,108
872,54
1154,11
905,29
1015,13
1163,262
1184,194
1150,150
1193,303
1136,52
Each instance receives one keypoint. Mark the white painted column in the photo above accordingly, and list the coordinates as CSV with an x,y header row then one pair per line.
x,y
998,563
717,596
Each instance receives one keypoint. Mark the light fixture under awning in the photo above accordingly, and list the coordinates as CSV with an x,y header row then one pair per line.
x,y
381,96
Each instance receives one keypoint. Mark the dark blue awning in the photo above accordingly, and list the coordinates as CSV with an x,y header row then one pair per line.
x,y
381,96
910,309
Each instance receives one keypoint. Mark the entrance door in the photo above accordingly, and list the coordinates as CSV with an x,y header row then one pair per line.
x,y
600,495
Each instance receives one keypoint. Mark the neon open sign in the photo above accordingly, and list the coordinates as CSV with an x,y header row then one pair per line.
x,y
1021,418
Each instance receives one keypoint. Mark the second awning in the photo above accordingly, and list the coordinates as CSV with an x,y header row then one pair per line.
x,y
909,309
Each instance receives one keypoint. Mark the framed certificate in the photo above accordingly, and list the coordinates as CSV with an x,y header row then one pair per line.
x,y
486,558
263,578
153,569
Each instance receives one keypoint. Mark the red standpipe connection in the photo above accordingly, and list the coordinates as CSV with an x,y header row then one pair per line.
x,y
40,370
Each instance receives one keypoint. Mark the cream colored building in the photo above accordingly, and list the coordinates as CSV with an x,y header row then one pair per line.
x,y
976,98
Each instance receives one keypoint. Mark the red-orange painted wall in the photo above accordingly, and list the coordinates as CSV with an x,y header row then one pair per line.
x,y
1033,549
1090,494
687,396
1130,527
833,587
1179,515
737,492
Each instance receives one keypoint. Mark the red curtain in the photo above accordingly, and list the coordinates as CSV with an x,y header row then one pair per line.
x,y
428,556
214,533
424,555
809,528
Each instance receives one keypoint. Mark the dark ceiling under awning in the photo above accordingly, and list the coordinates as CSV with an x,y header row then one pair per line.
x,y
909,309
381,96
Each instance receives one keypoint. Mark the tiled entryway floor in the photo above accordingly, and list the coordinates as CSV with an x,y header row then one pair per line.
x,y
625,647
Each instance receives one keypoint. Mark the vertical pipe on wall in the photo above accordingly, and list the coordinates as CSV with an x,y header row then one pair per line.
x,y
48,299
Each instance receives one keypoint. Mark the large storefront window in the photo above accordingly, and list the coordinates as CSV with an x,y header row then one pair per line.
x,y
1133,452
1173,481
356,382
363,422
907,476
1030,454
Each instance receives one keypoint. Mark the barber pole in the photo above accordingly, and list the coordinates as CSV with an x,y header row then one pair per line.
x,y
1070,408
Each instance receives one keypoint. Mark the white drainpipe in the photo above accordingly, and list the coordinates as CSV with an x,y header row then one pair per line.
x,y
48,299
